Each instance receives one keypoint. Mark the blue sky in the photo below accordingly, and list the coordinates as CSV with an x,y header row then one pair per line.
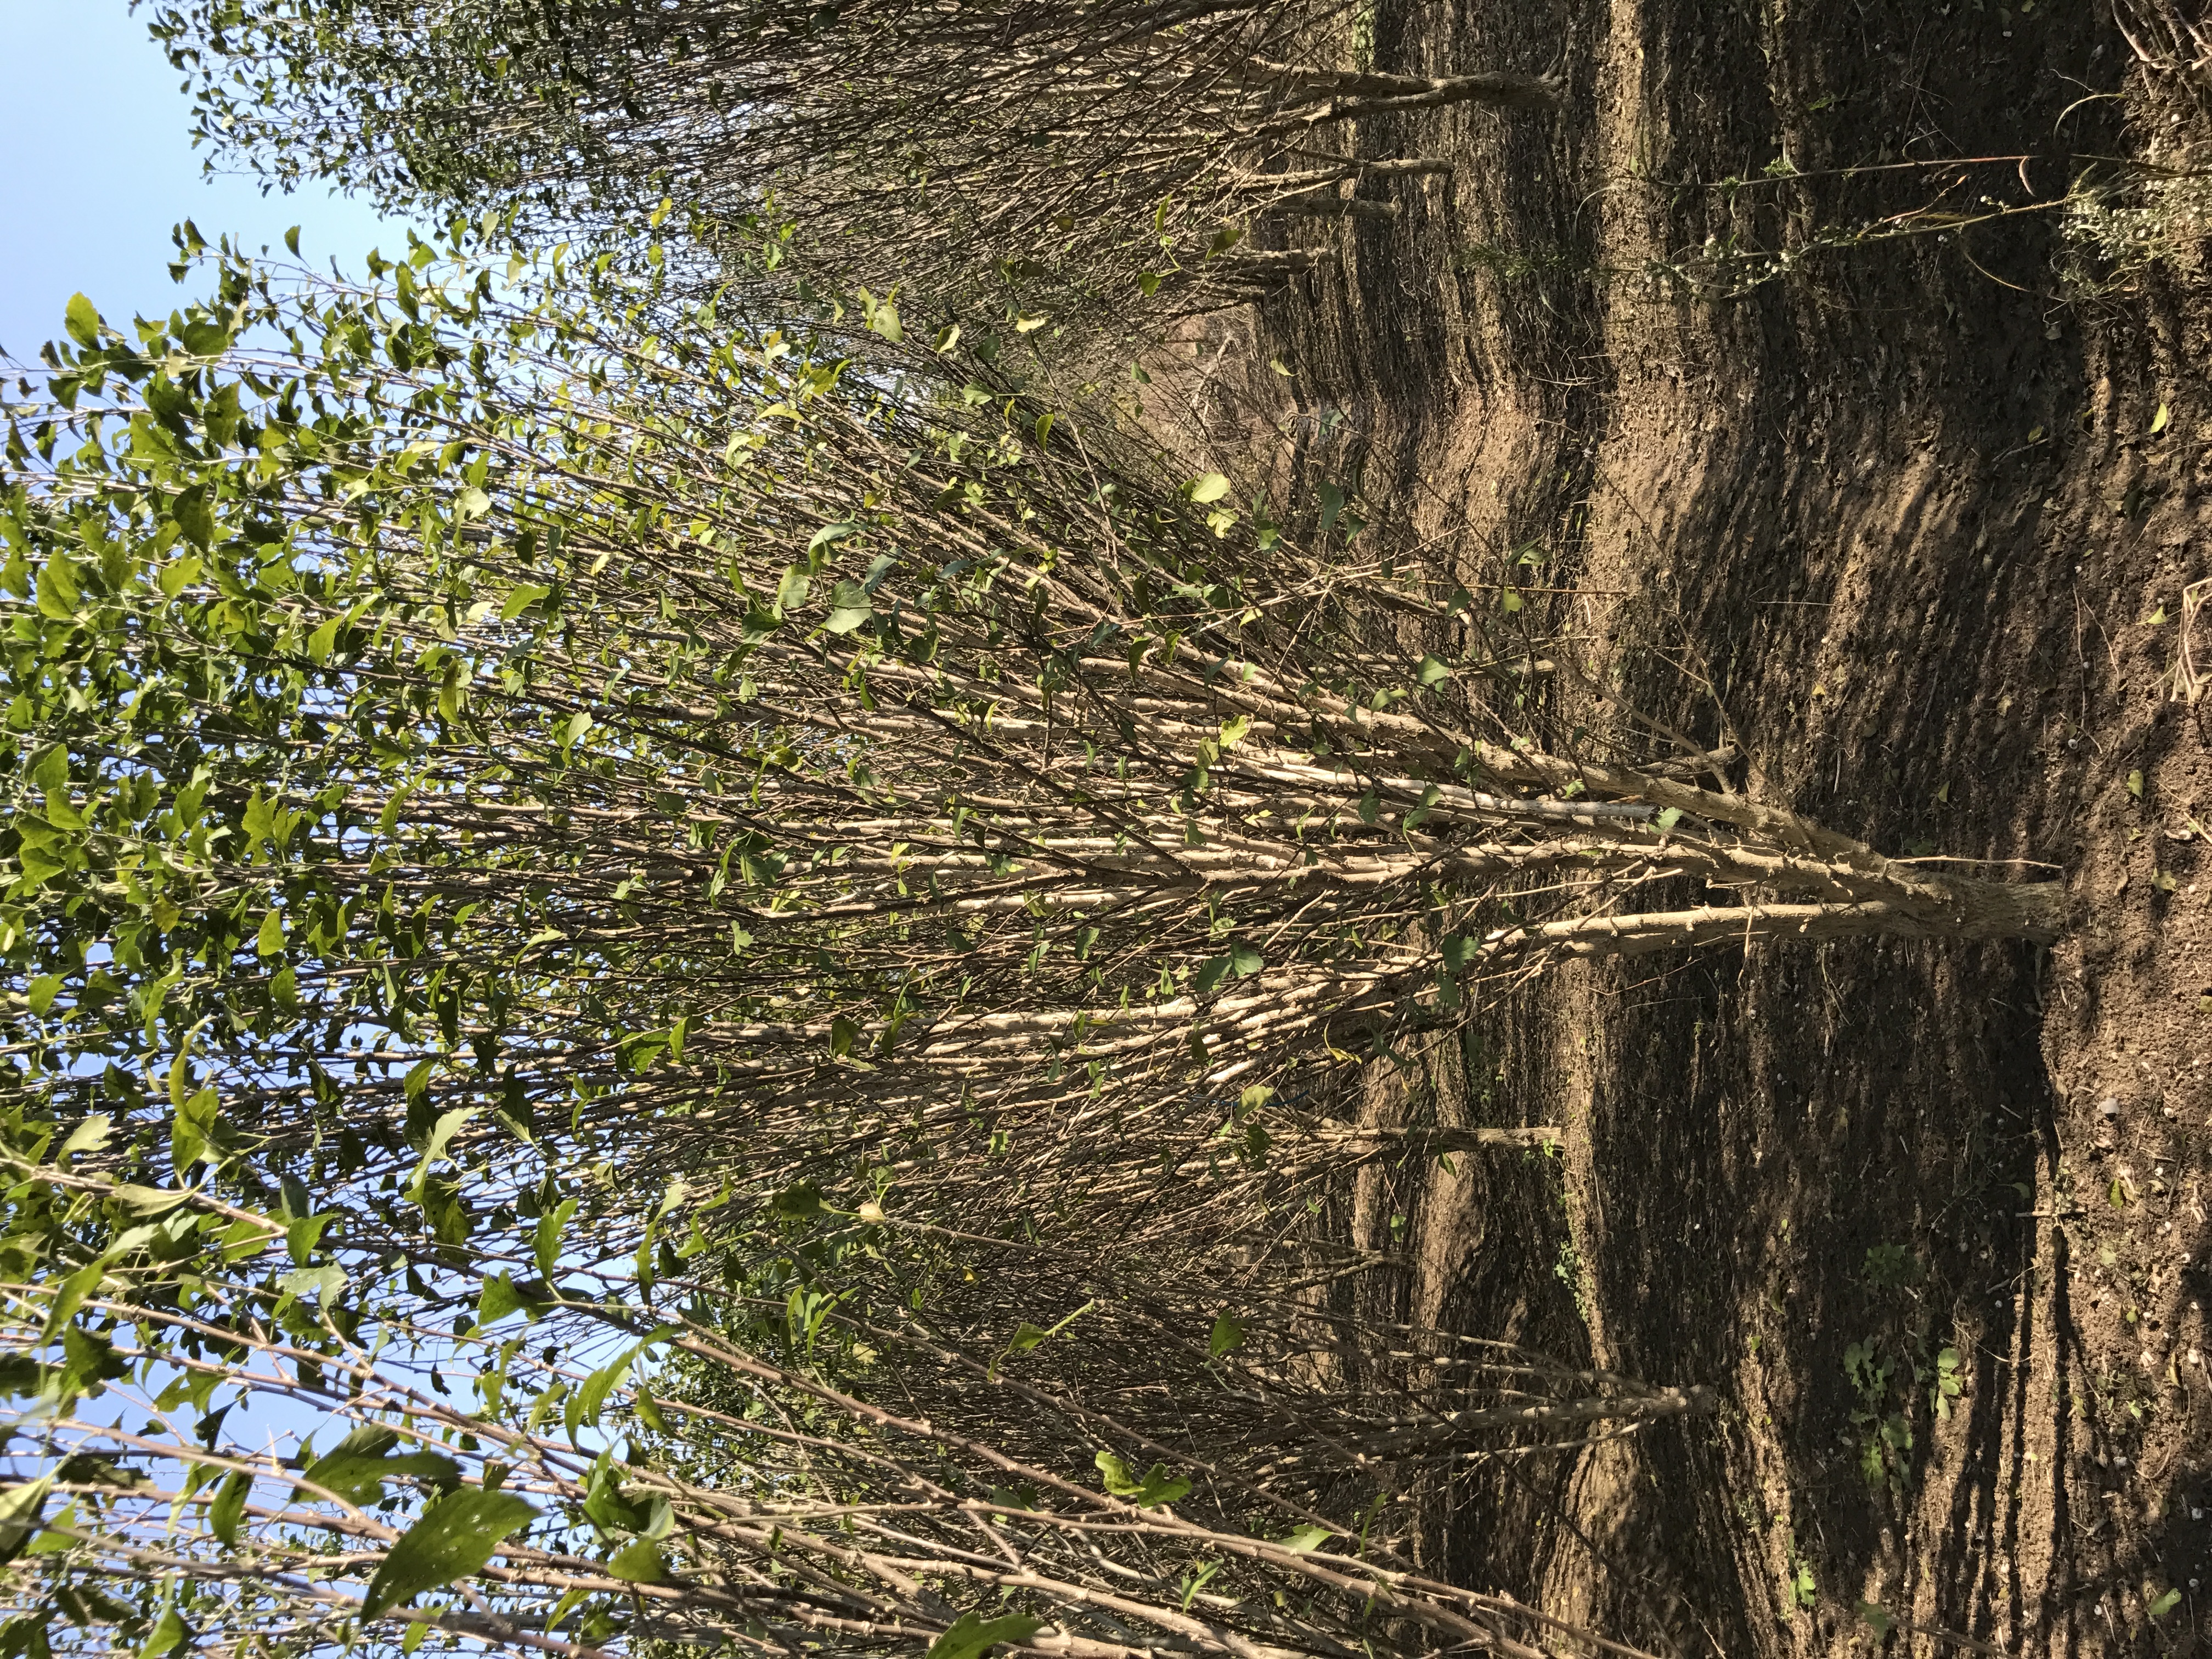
x,y
98,164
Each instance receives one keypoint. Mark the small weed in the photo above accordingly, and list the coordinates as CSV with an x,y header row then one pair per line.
x,y
1944,1384
1362,35
1512,263
1804,1594
1891,1266
1568,1270
2159,215
1885,1437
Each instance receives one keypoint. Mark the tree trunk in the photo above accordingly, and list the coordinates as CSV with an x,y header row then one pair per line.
x,y
1975,910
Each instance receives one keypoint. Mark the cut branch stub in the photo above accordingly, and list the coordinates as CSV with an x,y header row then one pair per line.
x,y
1370,89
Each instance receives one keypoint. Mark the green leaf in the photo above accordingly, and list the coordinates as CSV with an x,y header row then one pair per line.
x,y
1245,960
325,639
58,590
54,1540
356,1468
525,595
1875,1615
2168,1602
270,941
1432,672
638,1562
471,503
884,319
168,1633
790,589
798,1202
1228,1334
1307,1538
1154,1489
229,1507
81,318
149,1201
194,1128
328,1282
607,1508
41,992
1668,819
1333,501
830,533
1802,1590
499,1298
259,821
592,1398
20,1510
546,1242
848,607
449,1124
1208,488
1211,973
303,1233
457,1535
194,517
90,1135
971,1637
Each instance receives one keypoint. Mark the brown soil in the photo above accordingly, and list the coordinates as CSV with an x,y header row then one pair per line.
x,y
1893,523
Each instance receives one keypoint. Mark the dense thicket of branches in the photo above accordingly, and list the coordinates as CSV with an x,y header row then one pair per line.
x,y
865,895
1000,153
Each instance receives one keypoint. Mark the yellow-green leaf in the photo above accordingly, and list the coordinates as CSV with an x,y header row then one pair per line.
x,y
81,318
638,1562
971,1637
524,596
